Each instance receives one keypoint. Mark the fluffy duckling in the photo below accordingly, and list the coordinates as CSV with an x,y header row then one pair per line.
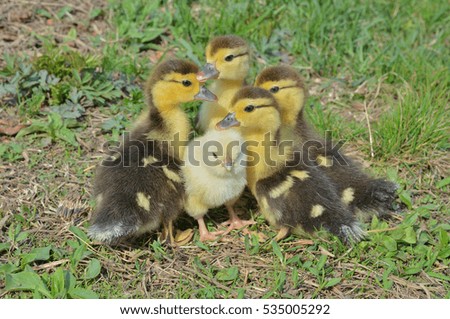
x,y
139,186
292,193
227,61
214,175
355,187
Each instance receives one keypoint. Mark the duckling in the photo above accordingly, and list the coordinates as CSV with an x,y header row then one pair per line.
x,y
358,190
214,175
292,193
139,185
227,61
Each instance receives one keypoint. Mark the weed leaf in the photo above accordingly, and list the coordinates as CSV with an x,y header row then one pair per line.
x,y
439,276
228,274
4,246
81,293
332,282
410,236
79,233
405,197
277,251
93,269
202,245
443,182
42,253
390,243
26,280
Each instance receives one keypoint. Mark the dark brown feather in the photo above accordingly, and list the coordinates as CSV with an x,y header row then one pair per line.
x,y
250,92
226,41
121,179
278,73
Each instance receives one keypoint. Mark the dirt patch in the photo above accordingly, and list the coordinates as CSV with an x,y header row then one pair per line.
x,y
23,24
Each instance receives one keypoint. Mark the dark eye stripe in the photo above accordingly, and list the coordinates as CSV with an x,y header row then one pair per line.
x,y
231,57
181,82
250,108
237,55
287,87
282,87
261,106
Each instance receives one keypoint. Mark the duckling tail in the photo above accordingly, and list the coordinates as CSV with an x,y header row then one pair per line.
x,y
111,233
352,233
114,220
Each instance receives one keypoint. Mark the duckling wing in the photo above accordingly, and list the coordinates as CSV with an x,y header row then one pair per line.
x,y
301,195
358,189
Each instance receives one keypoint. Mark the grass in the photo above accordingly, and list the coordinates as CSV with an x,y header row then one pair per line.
x,y
385,63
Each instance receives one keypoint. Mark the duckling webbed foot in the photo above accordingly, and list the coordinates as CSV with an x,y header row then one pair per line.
x,y
282,233
205,234
167,233
235,222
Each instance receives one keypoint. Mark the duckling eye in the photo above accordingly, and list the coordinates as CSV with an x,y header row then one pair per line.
x,y
274,89
229,58
249,108
214,154
186,83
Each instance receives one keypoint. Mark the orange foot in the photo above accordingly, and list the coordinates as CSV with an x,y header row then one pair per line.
x,y
236,223
210,236
282,233
205,234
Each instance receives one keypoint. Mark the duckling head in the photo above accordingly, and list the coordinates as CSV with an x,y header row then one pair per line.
x,y
254,110
174,82
287,87
227,58
221,153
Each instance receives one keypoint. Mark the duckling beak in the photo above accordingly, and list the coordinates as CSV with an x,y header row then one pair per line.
x,y
227,122
208,71
228,164
205,95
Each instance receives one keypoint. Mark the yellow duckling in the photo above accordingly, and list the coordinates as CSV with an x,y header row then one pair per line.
x,y
139,187
227,61
355,187
292,193
214,174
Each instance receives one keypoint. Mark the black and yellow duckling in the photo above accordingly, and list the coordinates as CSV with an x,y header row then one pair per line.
x,y
139,187
356,188
292,193
227,61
